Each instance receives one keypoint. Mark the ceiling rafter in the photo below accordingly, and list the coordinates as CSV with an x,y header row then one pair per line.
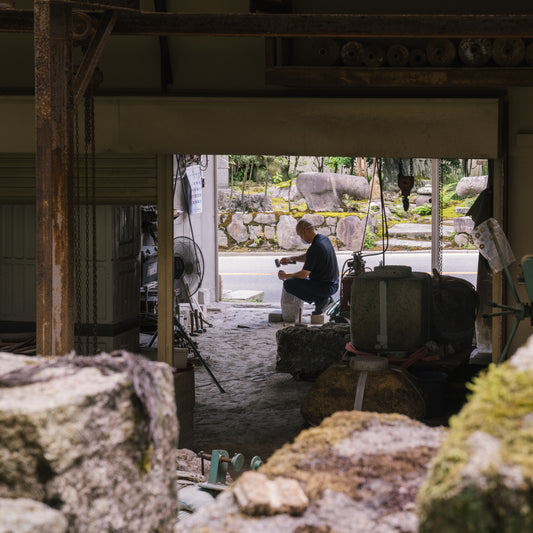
x,y
302,25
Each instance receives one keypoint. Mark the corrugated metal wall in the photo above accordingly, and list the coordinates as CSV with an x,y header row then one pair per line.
x,y
119,180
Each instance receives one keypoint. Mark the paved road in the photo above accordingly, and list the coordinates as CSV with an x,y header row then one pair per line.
x,y
257,271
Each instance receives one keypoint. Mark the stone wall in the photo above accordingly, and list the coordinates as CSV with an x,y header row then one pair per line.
x,y
271,230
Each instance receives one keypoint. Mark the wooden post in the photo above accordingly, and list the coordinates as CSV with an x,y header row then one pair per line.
x,y
165,255
53,164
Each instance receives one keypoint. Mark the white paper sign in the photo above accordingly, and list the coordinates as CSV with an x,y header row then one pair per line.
x,y
195,180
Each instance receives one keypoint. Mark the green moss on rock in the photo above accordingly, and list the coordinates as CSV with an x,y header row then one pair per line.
x,y
482,478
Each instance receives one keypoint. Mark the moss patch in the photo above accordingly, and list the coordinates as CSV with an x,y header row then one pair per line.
x,y
469,482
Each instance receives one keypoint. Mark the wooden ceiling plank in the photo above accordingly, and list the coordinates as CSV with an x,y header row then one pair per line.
x,y
302,25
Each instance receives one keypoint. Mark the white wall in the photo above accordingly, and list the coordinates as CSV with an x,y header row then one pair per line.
x,y
204,225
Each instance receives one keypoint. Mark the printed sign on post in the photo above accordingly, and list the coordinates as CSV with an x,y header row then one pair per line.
x,y
195,180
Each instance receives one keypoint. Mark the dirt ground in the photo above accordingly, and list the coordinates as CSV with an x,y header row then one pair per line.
x,y
260,410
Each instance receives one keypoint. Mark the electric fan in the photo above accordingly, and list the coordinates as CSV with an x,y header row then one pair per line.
x,y
188,268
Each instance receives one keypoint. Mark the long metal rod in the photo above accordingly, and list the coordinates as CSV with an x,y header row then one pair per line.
x,y
183,333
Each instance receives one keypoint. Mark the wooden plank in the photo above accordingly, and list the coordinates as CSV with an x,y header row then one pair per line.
x,y
133,5
348,26
325,25
399,77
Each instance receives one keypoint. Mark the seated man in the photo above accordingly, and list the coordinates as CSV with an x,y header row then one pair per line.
x,y
319,278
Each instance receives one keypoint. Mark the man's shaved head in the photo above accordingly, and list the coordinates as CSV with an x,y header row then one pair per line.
x,y
303,224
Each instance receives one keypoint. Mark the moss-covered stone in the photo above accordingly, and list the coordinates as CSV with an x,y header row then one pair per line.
x,y
482,478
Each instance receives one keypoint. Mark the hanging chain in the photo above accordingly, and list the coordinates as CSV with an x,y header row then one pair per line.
x,y
86,191
95,276
77,229
91,186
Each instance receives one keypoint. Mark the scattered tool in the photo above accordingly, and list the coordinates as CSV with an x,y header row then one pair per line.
x,y
218,469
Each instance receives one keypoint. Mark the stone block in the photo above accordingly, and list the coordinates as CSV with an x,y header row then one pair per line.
x,y
463,225
256,495
222,239
306,352
265,218
350,231
236,229
275,317
318,319
270,232
287,238
100,437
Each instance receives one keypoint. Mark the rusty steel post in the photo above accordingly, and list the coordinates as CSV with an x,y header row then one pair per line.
x,y
53,165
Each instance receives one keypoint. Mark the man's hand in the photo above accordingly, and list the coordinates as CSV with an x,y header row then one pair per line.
x,y
282,275
286,260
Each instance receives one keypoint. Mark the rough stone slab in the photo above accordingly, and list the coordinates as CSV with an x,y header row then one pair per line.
x,y
78,434
360,472
244,295
256,495
306,352
22,515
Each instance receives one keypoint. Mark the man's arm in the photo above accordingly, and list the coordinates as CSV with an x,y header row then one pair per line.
x,y
301,274
293,259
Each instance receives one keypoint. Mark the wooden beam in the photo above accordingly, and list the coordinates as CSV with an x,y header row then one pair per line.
x,y
303,25
399,77
53,164
89,5
165,259
92,55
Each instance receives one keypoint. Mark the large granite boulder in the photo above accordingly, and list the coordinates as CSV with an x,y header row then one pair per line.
x,y
323,190
471,186
93,437
306,352
357,472
481,478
